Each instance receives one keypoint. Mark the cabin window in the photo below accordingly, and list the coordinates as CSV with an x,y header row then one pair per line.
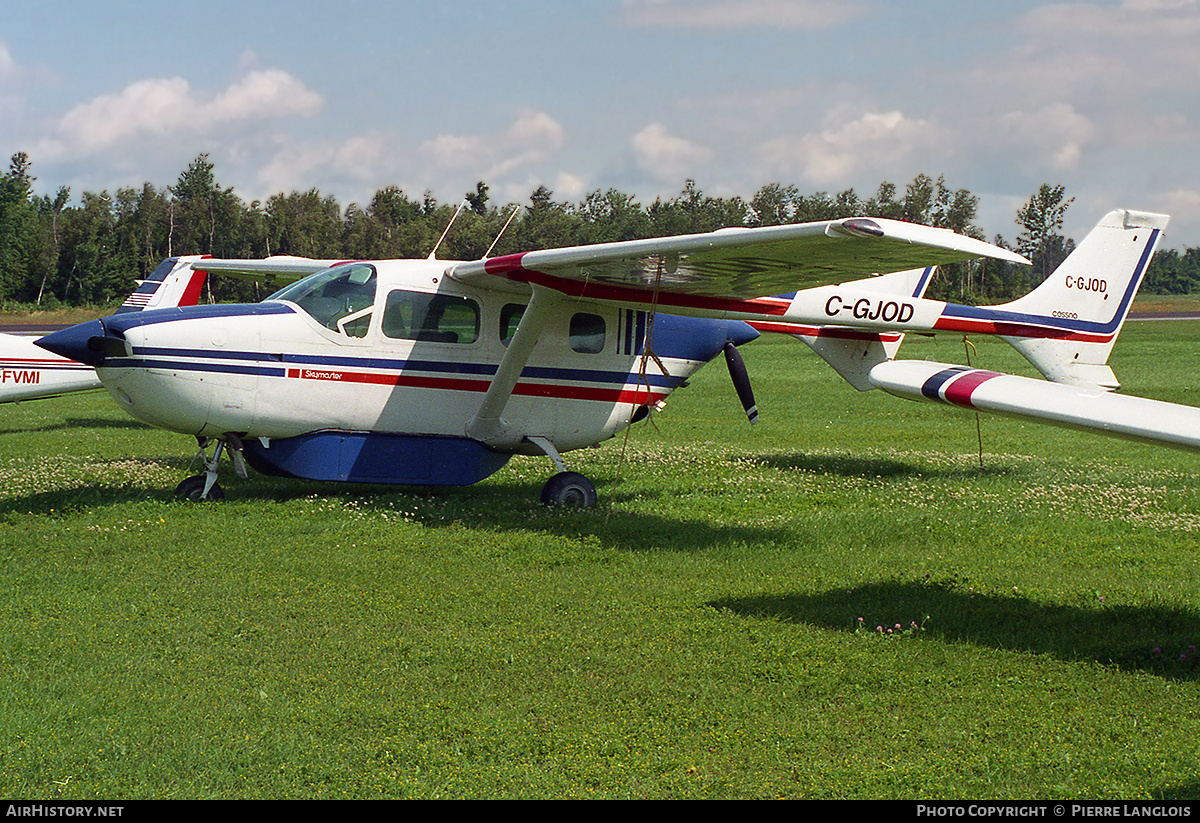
x,y
437,318
340,298
587,333
510,318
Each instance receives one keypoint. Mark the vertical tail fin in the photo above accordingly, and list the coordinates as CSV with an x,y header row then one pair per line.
x,y
174,282
1085,301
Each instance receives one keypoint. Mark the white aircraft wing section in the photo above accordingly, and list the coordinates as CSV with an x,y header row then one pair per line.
x,y
281,269
736,263
1087,408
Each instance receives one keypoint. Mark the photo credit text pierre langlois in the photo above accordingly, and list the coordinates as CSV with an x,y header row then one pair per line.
x,y
1055,810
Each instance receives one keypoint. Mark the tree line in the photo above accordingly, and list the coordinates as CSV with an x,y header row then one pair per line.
x,y
58,251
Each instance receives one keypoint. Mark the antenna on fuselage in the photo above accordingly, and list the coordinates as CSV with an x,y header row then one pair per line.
x,y
457,212
488,253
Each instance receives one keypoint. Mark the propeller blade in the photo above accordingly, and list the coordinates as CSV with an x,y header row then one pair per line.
x,y
741,381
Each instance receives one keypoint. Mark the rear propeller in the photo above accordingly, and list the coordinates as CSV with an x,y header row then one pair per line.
x,y
741,380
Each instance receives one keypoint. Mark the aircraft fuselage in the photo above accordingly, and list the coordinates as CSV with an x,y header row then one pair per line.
x,y
390,357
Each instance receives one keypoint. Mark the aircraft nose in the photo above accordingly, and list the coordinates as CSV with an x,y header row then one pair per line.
x,y
87,342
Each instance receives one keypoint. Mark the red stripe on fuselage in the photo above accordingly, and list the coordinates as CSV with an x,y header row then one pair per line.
x,y
839,332
1015,330
551,390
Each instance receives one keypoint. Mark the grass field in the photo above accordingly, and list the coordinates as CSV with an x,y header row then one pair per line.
x,y
840,602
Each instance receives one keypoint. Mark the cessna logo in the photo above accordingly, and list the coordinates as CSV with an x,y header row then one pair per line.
x,y
864,308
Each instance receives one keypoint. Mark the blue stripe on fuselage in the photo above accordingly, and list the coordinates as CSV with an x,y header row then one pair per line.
x,y
274,365
675,337
124,322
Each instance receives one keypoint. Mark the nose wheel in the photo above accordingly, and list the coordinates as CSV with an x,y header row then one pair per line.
x,y
205,486
193,489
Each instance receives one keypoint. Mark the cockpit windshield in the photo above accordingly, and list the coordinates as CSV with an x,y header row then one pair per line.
x,y
340,298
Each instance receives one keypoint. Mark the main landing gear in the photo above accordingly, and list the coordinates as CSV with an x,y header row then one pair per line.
x,y
567,488
204,486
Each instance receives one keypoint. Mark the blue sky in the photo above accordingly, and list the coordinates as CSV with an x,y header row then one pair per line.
x,y
348,96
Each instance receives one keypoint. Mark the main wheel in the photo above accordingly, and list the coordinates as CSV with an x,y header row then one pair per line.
x,y
569,489
193,487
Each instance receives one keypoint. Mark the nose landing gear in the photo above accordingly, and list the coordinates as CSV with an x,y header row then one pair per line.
x,y
205,486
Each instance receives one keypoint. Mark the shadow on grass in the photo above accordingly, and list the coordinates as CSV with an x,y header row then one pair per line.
x,y
1157,639
516,507
1184,791
496,507
74,423
870,468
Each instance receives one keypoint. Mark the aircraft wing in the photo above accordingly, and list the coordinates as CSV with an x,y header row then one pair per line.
x,y
736,263
280,270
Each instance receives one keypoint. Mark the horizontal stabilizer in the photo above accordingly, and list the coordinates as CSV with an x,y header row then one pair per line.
x,y
1072,407
280,269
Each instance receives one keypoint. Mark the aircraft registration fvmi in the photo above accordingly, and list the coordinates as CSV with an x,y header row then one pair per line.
x,y
432,372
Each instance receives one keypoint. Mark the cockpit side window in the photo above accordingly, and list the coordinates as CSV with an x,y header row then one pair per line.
x,y
437,318
510,318
340,298
587,333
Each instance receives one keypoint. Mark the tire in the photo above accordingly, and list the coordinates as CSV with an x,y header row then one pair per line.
x,y
569,489
193,487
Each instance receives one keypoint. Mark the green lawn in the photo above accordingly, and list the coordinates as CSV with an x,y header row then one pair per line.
x,y
840,602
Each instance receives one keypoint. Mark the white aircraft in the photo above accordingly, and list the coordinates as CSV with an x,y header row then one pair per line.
x,y
28,371
430,372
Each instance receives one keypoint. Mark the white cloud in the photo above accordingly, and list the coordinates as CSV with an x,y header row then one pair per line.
x,y
263,94
355,167
1184,207
533,138
667,158
351,169
1051,137
1158,5
363,157
569,187
1074,48
1130,19
160,107
875,141
7,64
737,14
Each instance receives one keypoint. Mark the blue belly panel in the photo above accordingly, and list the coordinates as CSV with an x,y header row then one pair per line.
x,y
365,457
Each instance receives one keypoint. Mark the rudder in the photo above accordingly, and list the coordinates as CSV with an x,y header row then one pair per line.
x,y
1088,298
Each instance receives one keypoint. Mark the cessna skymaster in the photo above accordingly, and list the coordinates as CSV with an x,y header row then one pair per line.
x,y
28,372
430,372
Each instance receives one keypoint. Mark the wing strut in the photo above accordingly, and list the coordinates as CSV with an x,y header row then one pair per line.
x,y
488,425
